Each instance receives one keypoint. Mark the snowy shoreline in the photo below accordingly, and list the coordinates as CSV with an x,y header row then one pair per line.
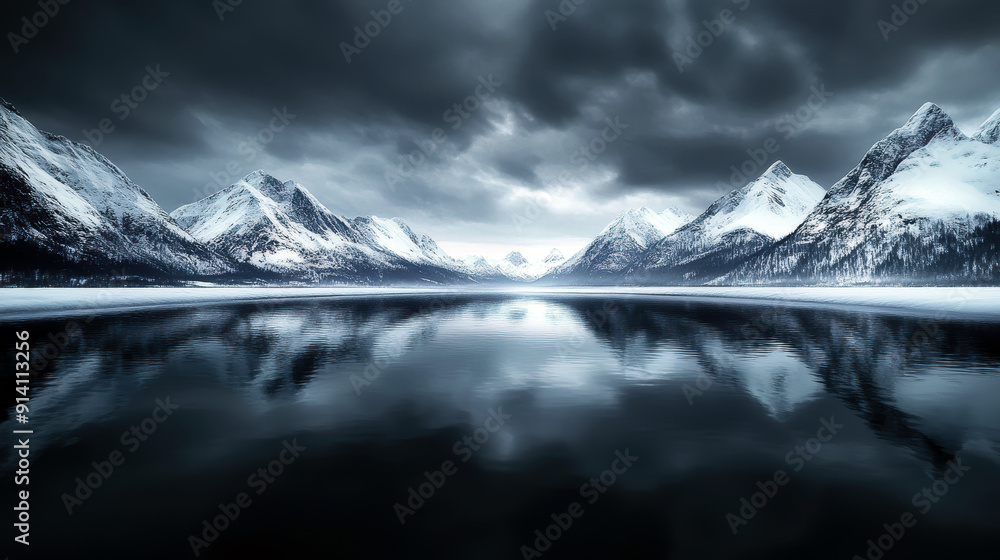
x,y
36,302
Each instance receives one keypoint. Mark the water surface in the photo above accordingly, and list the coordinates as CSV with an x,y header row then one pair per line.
x,y
710,398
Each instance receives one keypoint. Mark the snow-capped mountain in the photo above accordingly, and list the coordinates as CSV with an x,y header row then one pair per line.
x,y
920,207
554,258
516,267
773,205
68,212
619,245
276,226
283,228
734,227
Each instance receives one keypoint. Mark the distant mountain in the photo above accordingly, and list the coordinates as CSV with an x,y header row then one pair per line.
x,y
735,226
618,247
554,258
478,267
920,208
281,227
69,215
519,269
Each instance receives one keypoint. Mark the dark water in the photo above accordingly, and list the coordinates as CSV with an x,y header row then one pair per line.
x,y
707,401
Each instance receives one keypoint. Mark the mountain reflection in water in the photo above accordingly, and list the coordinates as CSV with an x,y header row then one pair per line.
x,y
711,396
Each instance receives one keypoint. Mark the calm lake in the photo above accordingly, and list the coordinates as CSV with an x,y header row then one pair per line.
x,y
511,426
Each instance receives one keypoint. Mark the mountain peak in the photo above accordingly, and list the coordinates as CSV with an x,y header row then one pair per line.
x,y
928,109
645,226
554,256
778,171
882,160
990,131
773,205
516,258
636,215
929,118
640,212
270,186
258,177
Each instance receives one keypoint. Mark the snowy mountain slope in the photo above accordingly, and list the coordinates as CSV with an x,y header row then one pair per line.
x,y
619,245
394,237
908,212
283,228
989,132
67,207
735,226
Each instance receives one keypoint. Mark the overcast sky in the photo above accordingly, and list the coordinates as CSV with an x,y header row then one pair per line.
x,y
505,172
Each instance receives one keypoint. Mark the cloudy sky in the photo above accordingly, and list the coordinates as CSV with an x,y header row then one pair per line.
x,y
501,93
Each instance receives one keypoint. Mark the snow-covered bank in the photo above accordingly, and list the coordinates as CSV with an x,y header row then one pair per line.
x,y
21,302
950,300
53,301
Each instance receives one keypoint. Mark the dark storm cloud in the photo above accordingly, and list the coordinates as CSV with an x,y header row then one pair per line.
x,y
519,166
353,121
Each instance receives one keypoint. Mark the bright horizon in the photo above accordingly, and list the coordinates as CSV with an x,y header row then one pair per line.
x,y
497,251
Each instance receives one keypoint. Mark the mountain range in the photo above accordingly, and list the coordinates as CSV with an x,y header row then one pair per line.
x,y
921,208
